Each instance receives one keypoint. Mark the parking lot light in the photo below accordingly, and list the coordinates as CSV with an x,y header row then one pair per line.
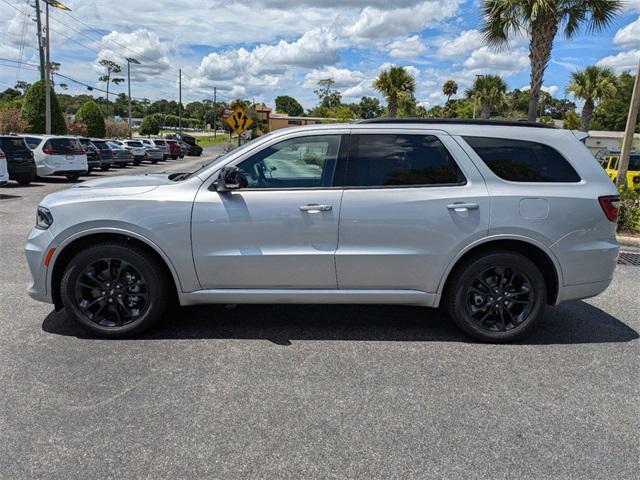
x,y
129,62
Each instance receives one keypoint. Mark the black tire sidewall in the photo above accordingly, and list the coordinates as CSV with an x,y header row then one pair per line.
x,y
155,279
456,298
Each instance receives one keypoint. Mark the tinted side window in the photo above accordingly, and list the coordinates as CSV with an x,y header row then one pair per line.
x,y
33,142
12,143
379,160
523,161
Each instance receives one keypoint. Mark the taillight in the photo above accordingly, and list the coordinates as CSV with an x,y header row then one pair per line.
x,y
610,205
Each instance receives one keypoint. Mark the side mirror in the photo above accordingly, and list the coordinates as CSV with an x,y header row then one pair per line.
x,y
230,178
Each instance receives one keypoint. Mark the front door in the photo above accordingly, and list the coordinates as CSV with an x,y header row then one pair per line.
x,y
279,232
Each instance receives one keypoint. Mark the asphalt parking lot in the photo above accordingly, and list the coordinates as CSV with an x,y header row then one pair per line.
x,y
311,391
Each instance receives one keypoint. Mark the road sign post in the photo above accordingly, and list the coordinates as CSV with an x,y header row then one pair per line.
x,y
239,121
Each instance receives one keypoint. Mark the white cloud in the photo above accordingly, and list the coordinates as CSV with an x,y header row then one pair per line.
x,y
632,5
629,36
343,77
375,23
465,43
551,89
407,48
485,60
142,45
622,61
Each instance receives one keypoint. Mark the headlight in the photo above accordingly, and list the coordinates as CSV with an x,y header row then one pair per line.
x,y
44,219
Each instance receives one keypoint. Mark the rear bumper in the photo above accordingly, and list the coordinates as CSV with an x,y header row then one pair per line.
x,y
19,170
585,290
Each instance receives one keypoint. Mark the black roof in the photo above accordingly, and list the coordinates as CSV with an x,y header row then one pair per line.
x,y
459,121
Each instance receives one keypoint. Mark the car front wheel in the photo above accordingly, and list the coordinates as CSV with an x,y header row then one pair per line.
x,y
497,297
114,289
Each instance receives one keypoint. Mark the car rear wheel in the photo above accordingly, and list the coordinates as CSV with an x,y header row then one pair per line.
x,y
74,176
114,290
497,297
104,168
24,181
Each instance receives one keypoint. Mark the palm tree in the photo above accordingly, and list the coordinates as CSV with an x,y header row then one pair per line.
x,y
541,20
489,91
450,88
394,84
593,84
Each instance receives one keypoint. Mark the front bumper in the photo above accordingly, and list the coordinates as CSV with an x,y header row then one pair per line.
x,y
39,242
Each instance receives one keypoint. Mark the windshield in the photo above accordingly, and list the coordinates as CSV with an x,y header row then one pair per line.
x,y
134,144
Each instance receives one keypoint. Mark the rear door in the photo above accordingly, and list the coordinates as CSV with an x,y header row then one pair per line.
x,y
412,200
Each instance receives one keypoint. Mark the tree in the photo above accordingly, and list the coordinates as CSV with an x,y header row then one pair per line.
x,y
541,20
288,105
116,129
33,110
91,116
394,84
329,98
149,126
592,85
11,120
22,86
571,121
450,88
369,107
112,67
489,91
77,128
611,113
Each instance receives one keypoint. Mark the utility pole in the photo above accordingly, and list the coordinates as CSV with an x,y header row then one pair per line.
x,y
40,40
47,80
632,120
180,101
129,62
215,111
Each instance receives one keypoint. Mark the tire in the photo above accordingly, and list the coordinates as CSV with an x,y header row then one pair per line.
x,y
24,181
137,162
181,156
154,161
89,170
146,268
174,157
73,176
496,316
104,168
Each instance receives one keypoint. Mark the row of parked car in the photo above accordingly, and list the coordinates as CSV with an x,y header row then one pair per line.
x,y
23,157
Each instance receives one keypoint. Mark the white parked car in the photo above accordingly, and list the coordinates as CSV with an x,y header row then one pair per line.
x,y
58,155
136,148
4,172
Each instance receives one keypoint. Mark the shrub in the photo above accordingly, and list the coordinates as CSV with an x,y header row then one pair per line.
x,y
78,128
571,121
629,213
34,107
149,126
11,120
116,130
91,116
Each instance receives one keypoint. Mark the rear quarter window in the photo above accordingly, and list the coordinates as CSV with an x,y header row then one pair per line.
x,y
523,161
12,143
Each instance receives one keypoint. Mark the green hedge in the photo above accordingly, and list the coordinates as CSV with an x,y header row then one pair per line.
x,y
91,115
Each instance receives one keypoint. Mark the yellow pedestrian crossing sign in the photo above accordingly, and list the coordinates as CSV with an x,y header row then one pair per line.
x,y
239,121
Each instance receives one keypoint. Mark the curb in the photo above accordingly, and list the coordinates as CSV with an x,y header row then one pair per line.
x,y
628,241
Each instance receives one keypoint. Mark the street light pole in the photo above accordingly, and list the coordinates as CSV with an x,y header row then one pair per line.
x,y
129,62
47,74
47,64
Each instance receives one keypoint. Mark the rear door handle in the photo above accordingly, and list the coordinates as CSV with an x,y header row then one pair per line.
x,y
315,208
461,206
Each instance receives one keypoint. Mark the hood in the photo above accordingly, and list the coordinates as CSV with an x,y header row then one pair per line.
x,y
108,187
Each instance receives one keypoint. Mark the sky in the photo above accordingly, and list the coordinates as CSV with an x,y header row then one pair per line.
x,y
260,49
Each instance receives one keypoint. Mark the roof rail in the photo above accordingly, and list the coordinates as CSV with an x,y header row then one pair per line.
x,y
459,121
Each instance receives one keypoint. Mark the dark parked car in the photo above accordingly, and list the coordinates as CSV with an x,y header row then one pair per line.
x,y
121,156
93,154
20,162
191,142
106,154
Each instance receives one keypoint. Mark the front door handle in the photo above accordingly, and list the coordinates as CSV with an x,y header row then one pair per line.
x,y
315,208
462,206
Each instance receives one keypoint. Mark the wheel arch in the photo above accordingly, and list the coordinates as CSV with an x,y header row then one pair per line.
x,y
66,251
534,251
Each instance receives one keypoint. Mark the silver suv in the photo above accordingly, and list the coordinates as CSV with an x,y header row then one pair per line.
x,y
491,220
